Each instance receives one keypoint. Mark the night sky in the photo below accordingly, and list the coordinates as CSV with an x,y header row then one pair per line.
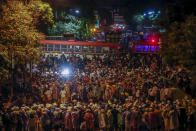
x,y
108,3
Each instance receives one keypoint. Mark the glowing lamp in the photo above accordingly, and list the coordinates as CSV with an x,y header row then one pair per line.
x,y
77,11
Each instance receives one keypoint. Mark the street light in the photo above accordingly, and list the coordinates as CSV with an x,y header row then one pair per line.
x,y
93,29
77,11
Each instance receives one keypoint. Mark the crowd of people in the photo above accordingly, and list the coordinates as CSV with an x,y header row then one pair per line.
x,y
133,92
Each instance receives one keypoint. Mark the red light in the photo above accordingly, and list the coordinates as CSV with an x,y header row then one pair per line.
x,y
153,39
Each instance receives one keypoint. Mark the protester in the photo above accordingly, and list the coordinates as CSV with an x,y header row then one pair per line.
x,y
114,93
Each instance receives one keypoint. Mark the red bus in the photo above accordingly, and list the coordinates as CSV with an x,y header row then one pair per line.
x,y
76,47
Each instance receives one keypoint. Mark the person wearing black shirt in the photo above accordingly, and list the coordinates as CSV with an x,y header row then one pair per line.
x,y
115,118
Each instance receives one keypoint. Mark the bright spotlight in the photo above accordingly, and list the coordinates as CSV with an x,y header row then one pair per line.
x,y
77,11
65,72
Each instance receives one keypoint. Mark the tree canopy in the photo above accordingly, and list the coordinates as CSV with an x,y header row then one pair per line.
x,y
42,15
19,35
69,24
178,42
80,27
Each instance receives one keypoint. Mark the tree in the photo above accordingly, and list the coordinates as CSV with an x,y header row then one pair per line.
x,y
19,37
179,47
68,24
84,30
42,15
80,27
176,11
4,60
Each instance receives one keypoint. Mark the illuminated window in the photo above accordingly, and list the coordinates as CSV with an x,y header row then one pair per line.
x,y
77,48
84,49
105,50
145,48
64,48
50,47
70,48
152,48
98,49
57,47
138,48
157,48
91,49
44,47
